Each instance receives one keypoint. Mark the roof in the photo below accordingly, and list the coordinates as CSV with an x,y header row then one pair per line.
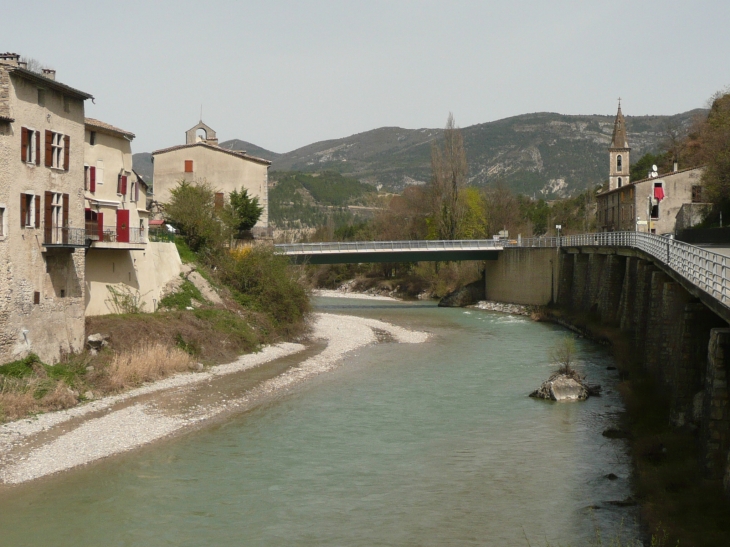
x,y
156,222
96,124
659,177
619,139
40,79
140,179
236,153
6,119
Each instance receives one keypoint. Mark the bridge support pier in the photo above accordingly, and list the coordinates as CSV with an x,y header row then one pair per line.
x,y
716,408
609,295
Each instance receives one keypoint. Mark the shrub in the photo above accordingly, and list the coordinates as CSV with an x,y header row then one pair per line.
x,y
146,363
183,298
563,354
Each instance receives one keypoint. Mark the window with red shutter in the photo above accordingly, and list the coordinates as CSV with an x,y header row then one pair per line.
x,y
66,151
92,179
188,166
124,185
24,144
37,147
49,148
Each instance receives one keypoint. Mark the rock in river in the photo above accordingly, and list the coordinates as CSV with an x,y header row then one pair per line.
x,y
562,387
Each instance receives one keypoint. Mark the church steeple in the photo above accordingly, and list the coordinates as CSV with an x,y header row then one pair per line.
x,y
618,152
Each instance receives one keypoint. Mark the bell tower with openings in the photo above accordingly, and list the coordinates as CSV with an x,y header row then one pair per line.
x,y
618,152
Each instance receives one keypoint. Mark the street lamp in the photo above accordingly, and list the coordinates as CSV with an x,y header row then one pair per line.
x,y
558,227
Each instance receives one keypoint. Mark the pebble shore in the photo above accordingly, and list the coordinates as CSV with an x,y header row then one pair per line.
x,y
514,309
58,441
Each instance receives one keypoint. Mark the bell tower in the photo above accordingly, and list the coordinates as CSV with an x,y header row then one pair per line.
x,y
618,152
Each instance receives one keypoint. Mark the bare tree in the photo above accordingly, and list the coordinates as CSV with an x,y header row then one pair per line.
x,y
449,170
34,65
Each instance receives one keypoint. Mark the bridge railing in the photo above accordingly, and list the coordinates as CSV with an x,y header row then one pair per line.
x,y
380,246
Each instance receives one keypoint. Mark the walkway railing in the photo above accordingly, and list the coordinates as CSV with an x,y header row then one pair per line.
x,y
388,246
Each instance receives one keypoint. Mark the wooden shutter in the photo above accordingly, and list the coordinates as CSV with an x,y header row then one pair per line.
x,y
24,144
65,218
38,211
49,148
37,147
66,151
188,166
92,178
23,211
48,217
219,200
124,185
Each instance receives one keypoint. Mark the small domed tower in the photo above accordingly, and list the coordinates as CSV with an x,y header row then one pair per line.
x,y
619,151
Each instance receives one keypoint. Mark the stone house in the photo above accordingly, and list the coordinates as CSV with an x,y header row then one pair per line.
x,y
648,205
201,158
119,254
42,236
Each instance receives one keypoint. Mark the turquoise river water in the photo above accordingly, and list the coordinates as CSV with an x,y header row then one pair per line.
x,y
404,445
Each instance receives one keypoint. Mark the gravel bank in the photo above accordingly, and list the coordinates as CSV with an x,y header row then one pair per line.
x,y
355,295
68,442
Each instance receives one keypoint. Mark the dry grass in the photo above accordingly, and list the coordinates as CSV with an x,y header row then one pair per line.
x,y
145,364
20,397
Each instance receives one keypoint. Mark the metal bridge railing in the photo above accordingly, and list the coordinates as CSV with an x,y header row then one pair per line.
x,y
384,246
707,270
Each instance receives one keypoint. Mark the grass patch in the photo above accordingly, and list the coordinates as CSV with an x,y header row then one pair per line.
x,y
186,254
183,298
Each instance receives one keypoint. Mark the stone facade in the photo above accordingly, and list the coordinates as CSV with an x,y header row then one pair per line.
x,y
42,258
203,160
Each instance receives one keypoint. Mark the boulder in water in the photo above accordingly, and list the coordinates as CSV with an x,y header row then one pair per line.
x,y
562,387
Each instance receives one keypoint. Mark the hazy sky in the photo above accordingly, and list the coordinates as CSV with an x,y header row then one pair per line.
x,y
284,74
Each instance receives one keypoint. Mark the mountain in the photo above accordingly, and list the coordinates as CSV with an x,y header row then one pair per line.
x,y
545,154
542,154
252,149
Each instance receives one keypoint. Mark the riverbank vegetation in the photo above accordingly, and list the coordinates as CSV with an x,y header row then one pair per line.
x,y
258,299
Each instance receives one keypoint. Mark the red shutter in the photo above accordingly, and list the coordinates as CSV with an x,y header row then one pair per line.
x,y
37,147
38,211
49,148
124,185
219,202
65,218
92,179
48,217
66,151
23,211
23,144
188,166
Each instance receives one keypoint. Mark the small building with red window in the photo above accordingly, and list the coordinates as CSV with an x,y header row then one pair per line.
x,y
42,232
202,159
650,205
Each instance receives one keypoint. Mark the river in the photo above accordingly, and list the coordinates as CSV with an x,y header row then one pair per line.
x,y
403,444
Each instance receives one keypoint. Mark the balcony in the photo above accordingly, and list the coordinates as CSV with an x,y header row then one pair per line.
x,y
112,237
60,237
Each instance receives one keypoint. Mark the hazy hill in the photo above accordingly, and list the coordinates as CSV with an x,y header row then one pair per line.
x,y
544,154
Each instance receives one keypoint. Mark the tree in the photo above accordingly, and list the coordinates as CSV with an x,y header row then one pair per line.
x,y
192,211
563,354
449,169
243,210
715,150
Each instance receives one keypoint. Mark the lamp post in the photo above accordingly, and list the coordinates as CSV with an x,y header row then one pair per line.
x,y
558,227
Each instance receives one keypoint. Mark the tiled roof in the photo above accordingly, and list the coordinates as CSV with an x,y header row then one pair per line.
x,y
96,124
236,153
40,79
6,119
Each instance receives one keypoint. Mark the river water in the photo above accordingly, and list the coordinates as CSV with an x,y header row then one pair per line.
x,y
426,444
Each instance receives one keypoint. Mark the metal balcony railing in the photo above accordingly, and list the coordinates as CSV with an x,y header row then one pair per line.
x,y
110,234
58,236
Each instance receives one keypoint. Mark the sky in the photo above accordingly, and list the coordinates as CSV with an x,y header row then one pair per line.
x,y
285,74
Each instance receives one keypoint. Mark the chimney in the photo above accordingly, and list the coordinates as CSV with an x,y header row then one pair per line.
x,y
23,64
10,58
49,73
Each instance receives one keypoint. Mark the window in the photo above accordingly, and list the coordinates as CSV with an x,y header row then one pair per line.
x,y
122,185
41,97
654,211
188,166
99,171
133,195
3,229
58,147
30,211
30,146
697,194
619,181
92,138
619,163
56,217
